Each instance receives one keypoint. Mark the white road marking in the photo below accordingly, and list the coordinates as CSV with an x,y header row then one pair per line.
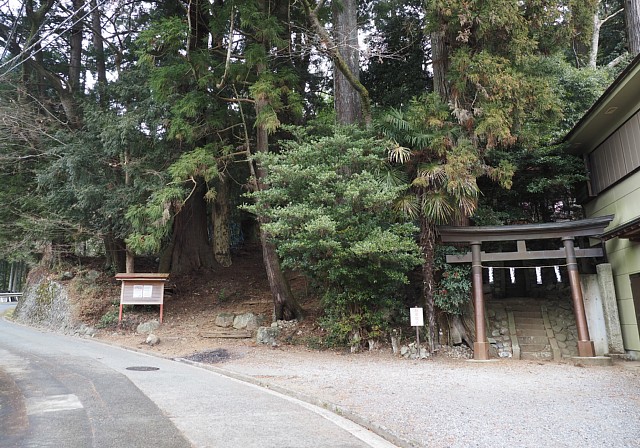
x,y
52,403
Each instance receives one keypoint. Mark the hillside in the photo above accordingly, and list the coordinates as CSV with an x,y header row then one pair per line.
x,y
80,296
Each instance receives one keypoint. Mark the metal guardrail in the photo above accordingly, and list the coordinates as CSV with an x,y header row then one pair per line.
x,y
10,296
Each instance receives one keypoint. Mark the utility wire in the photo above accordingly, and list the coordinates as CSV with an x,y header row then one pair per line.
x,y
39,41
42,39
13,30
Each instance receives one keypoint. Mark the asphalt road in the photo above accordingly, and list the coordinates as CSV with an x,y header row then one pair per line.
x,y
59,391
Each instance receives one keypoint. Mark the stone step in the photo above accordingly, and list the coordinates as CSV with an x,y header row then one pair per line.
x,y
526,306
531,332
226,333
537,318
534,347
536,356
531,324
523,340
526,314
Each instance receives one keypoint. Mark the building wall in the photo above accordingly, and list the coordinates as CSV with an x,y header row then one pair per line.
x,y
623,201
616,157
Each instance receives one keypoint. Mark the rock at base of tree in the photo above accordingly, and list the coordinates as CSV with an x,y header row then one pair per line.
x,y
224,320
247,321
152,340
147,327
267,335
412,351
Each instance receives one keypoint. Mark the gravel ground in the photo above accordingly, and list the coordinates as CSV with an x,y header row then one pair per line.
x,y
456,403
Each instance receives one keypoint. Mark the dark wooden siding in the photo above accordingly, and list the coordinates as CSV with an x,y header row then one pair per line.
x,y
616,157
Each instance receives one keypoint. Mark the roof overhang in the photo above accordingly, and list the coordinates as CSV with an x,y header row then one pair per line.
x,y
629,230
616,105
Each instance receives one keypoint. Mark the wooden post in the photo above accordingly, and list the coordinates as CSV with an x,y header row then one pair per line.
x,y
585,344
481,346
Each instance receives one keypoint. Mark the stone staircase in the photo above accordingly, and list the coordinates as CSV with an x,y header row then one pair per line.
x,y
531,328
531,332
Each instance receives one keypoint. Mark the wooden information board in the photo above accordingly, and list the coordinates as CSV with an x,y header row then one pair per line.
x,y
142,289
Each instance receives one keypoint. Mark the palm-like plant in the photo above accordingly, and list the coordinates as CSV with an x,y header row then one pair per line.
x,y
443,163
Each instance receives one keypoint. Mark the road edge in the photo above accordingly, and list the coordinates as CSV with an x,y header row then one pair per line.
x,y
375,428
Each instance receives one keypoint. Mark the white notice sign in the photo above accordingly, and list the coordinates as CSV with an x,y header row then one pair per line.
x,y
417,317
138,291
142,291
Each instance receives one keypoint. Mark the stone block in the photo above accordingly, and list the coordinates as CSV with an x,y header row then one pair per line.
x,y
152,339
247,321
610,308
561,337
267,335
148,327
224,320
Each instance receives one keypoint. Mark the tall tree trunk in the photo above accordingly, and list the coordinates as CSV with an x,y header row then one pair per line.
x,y
191,250
632,12
428,248
164,265
98,49
595,40
22,273
597,26
114,250
440,64
12,277
75,45
130,260
3,275
220,218
334,49
347,103
285,306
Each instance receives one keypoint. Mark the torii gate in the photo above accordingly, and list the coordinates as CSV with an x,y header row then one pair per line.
x,y
566,231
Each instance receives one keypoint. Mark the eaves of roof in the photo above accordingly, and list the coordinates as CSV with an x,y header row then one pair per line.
x,y
614,107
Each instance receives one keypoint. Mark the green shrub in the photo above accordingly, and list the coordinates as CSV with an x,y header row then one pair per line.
x,y
453,289
109,319
329,210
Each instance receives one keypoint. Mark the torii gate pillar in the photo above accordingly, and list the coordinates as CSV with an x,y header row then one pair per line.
x,y
585,344
481,345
